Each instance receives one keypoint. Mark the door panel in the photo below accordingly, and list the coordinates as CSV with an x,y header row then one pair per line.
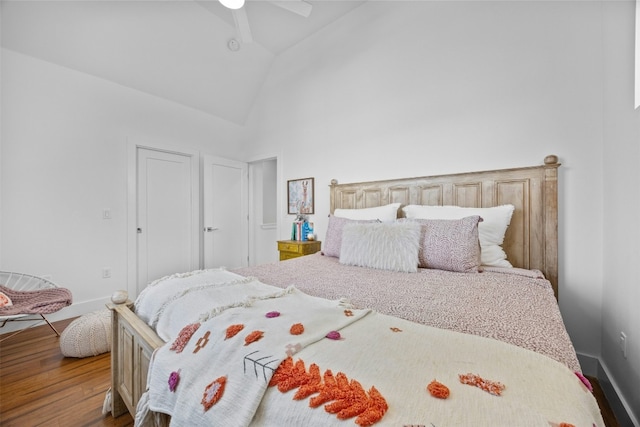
x,y
225,190
167,215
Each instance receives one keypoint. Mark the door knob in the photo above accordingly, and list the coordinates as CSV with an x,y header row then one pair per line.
x,y
210,229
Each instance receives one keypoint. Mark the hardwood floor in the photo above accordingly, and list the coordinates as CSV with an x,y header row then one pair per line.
x,y
607,413
40,387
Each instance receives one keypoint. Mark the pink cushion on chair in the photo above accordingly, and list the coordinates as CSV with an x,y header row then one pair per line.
x,y
41,301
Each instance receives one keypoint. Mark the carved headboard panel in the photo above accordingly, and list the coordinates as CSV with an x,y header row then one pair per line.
x,y
532,237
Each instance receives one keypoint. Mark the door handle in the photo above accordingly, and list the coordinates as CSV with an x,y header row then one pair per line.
x,y
210,229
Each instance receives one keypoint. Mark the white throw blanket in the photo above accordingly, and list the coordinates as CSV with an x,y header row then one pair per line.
x,y
246,367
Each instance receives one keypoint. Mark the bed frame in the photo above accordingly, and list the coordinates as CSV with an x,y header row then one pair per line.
x,y
531,242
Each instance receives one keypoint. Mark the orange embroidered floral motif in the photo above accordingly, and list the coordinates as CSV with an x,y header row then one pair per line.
x,y
253,337
352,402
296,329
394,329
491,387
233,330
438,390
348,313
330,389
282,372
375,411
312,384
297,376
343,397
213,392
566,425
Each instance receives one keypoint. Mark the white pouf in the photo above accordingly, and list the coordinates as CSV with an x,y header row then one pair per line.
x,y
88,335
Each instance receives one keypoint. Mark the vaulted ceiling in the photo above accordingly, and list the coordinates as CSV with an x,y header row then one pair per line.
x,y
177,50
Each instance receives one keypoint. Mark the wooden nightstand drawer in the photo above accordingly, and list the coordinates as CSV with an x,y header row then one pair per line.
x,y
289,247
293,249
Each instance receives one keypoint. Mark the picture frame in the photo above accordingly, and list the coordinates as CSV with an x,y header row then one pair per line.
x,y
300,196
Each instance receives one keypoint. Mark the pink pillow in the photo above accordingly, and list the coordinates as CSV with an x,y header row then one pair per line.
x,y
333,238
5,301
450,244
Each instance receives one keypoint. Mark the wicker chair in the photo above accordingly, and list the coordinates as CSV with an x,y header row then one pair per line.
x,y
21,282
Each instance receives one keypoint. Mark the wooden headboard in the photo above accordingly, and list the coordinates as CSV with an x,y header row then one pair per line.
x,y
531,241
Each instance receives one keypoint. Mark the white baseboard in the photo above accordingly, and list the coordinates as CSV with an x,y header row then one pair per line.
x,y
592,366
74,310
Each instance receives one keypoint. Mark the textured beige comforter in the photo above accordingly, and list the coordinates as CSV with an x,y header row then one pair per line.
x,y
514,306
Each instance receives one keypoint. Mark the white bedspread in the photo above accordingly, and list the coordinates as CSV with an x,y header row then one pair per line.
x,y
397,357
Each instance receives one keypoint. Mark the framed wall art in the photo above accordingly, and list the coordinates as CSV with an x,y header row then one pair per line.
x,y
300,196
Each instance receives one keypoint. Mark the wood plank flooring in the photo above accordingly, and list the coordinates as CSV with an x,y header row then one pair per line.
x,y
40,387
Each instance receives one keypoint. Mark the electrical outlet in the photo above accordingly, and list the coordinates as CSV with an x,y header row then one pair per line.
x,y
106,273
623,344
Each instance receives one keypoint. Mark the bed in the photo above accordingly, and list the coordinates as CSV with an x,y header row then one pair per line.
x,y
379,346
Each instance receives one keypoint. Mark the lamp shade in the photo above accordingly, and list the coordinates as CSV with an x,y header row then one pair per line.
x,y
232,4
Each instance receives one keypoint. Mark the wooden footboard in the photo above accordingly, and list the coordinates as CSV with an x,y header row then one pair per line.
x,y
132,344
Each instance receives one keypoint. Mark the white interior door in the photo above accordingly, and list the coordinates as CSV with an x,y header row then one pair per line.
x,y
167,214
225,213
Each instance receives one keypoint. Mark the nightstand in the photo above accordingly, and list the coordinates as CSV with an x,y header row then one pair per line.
x,y
293,248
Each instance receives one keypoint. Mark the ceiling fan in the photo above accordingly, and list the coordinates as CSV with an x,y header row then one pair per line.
x,y
299,7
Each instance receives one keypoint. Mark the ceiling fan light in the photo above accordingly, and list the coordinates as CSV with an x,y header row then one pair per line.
x,y
232,4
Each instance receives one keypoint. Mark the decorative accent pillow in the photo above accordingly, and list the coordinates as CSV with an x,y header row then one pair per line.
x,y
450,244
491,230
386,246
5,301
333,238
381,213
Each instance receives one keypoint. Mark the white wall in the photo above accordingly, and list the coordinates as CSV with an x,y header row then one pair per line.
x,y
64,143
418,88
621,157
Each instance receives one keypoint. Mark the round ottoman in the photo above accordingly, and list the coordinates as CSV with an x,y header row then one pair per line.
x,y
88,335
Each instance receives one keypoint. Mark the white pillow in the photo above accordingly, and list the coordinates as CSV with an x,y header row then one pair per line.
x,y
387,246
381,213
491,230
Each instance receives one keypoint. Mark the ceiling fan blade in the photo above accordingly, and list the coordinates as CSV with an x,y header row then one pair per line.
x,y
299,7
242,25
